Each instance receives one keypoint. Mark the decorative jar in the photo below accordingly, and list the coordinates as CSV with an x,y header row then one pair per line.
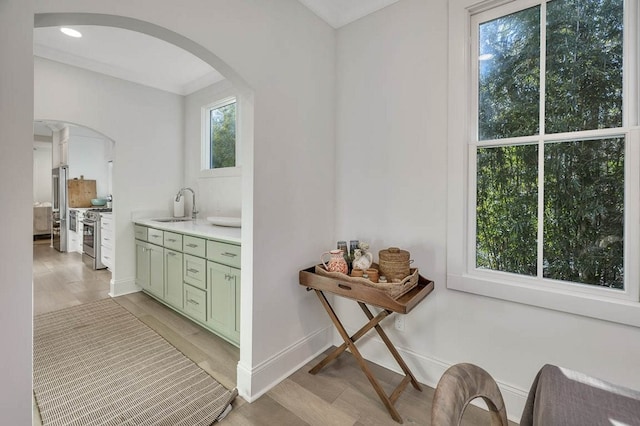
x,y
336,261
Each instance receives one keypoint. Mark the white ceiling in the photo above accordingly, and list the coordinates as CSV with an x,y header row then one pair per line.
x,y
128,55
149,61
338,13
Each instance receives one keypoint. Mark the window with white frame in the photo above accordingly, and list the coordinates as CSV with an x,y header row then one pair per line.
x,y
219,135
550,192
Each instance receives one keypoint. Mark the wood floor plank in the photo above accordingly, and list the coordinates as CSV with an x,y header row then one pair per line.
x,y
309,407
264,411
369,411
327,387
190,350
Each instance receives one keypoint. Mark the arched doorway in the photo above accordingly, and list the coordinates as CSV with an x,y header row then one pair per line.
x,y
127,152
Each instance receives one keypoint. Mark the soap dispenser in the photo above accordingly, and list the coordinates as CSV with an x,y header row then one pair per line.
x,y
178,206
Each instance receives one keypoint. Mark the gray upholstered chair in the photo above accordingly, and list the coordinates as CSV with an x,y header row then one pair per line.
x,y
460,385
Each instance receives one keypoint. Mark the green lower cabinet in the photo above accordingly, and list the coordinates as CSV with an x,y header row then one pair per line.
x,y
156,282
195,271
143,264
150,268
223,313
195,302
173,291
199,278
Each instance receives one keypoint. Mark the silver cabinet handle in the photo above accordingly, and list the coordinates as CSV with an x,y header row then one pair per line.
x,y
226,253
229,277
106,257
171,253
173,240
155,236
192,245
106,239
194,271
193,302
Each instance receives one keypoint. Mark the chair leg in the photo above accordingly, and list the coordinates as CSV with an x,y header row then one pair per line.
x,y
457,387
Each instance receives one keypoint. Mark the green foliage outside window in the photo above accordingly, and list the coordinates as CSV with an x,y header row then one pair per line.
x,y
583,185
223,136
506,212
584,205
509,77
584,65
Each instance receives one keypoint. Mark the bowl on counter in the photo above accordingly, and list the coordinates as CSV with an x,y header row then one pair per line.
x,y
98,201
232,222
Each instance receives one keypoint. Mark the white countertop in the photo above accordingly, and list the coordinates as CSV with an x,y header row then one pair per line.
x,y
197,228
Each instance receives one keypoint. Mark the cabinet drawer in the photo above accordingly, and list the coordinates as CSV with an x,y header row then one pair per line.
x,y
106,221
228,254
173,240
140,232
155,236
195,302
107,256
195,271
194,246
106,238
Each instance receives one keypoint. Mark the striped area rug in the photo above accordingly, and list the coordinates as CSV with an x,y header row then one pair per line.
x,y
97,364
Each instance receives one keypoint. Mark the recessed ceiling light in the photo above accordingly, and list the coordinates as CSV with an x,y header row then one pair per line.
x,y
71,32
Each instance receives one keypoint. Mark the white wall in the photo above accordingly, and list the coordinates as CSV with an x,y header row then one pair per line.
x,y
221,193
42,166
88,157
146,126
392,159
16,190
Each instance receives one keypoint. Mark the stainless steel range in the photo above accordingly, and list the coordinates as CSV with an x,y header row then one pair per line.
x,y
91,238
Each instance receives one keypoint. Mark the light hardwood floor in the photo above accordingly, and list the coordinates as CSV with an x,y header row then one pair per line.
x,y
339,395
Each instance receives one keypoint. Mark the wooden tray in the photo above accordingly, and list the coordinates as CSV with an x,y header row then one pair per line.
x,y
395,289
370,295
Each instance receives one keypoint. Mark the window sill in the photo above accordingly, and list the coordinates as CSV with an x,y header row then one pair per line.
x,y
219,173
614,310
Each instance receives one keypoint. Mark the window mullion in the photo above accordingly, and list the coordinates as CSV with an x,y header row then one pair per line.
x,y
632,215
543,64
543,69
631,55
540,209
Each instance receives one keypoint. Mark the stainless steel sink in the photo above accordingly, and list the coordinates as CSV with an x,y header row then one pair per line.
x,y
172,219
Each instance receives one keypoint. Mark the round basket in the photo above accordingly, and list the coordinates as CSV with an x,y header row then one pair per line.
x,y
394,263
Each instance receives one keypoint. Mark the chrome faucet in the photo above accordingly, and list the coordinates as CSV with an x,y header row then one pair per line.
x,y
194,212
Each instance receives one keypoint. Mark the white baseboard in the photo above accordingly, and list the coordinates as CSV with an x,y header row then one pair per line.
x,y
254,382
428,370
122,287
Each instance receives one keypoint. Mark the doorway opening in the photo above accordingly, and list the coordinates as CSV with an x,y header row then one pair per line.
x,y
129,185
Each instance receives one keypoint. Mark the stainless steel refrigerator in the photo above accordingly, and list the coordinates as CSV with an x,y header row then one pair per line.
x,y
59,208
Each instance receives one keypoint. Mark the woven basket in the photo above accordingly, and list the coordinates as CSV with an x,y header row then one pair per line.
x,y
393,289
394,263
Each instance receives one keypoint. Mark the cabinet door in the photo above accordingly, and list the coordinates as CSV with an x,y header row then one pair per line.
x,y
156,270
235,330
221,315
143,264
173,278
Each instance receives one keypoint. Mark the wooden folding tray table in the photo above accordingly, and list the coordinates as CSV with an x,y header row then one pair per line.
x,y
367,295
